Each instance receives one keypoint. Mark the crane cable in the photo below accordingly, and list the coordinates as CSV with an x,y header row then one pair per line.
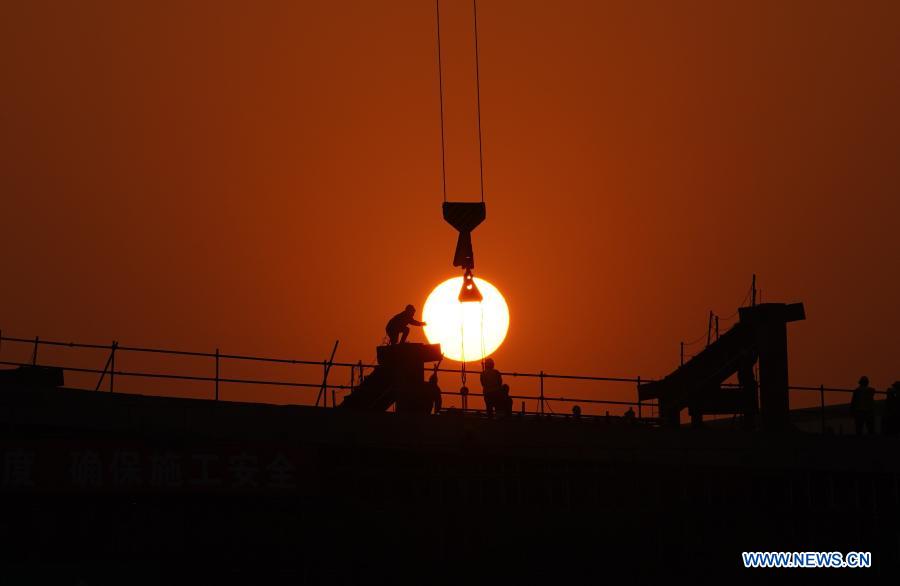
x,y
478,98
462,341
437,9
462,344
481,308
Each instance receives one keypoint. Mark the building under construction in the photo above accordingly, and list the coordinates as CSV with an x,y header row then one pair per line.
x,y
378,488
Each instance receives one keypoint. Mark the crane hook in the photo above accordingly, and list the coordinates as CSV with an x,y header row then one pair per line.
x,y
465,217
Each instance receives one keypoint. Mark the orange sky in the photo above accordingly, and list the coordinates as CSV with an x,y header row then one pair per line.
x,y
265,177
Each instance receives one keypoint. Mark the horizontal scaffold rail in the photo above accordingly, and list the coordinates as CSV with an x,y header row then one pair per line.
x,y
109,372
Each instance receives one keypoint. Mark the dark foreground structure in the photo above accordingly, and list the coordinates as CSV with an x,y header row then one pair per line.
x,y
125,489
760,336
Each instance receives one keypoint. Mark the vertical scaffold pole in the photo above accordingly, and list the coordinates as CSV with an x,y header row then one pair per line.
x,y
217,374
112,365
639,397
542,392
822,405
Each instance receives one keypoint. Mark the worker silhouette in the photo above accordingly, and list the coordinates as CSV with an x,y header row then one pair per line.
x,y
398,326
492,387
505,401
863,406
434,391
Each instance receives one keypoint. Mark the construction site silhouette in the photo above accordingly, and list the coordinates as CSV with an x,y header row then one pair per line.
x,y
406,473
388,484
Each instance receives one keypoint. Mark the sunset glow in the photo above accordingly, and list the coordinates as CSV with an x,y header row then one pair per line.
x,y
466,331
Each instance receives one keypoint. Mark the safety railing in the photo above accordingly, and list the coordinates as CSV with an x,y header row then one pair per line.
x,y
107,376
541,401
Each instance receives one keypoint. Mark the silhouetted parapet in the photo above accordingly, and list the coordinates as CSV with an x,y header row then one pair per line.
x,y
399,377
772,312
32,376
407,355
761,334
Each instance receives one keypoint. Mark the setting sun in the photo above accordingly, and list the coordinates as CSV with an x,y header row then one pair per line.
x,y
466,331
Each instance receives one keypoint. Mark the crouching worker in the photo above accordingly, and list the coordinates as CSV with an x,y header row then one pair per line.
x,y
398,326
496,394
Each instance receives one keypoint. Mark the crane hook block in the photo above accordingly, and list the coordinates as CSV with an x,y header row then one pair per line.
x,y
465,217
469,292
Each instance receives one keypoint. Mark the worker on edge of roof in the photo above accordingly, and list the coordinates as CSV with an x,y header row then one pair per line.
x,y
492,387
434,391
398,326
863,406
